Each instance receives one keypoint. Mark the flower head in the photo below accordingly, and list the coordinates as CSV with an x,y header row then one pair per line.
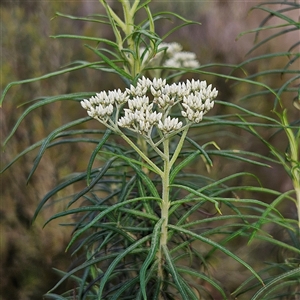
x,y
169,125
149,104
199,101
170,55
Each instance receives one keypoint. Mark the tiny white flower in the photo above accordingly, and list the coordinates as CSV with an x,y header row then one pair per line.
x,y
120,97
127,120
153,117
104,111
169,125
198,116
144,82
155,93
92,113
214,93
163,101
144,127
183,90
158,83
208,104
138,102
86,104
138,91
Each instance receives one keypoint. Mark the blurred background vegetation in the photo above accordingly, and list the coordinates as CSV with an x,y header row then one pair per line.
x,y
29,252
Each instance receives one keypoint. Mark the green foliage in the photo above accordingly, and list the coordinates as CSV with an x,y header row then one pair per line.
x,y
118,217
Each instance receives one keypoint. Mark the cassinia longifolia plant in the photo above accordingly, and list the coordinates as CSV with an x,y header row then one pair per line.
x,y
145,227
145,116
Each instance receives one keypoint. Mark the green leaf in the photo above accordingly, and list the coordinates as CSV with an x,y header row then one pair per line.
x,y
151,256
182,164
185,291
118,70
46,76
50,137
89,263
167,14
105,212
89,38
292,273
43,102
204,277
147,181
199,194
88,19
236,154
138,213
101,173
219,247
267,211
115,262
125,286
95,152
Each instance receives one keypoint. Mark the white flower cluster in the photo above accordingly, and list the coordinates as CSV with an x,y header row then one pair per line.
x,y
101,106
140,114
171,55
199,101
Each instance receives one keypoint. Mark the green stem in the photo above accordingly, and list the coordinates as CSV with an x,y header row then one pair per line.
x,y
297,190
155,168
165,205
129,13
295,167
142,144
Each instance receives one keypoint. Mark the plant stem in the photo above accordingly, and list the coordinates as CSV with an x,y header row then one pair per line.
x,y
155,168
297,190
165,205
294,158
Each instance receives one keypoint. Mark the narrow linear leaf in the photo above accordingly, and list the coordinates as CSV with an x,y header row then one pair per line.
x,y
202,276
232,154
105,212
138,213
148,182
43,102
130,283
115,262
50,137
95,152
88,18
219,247
182,164
150,257
199,194
111,63
176,276
295,272
185,22
89,38
46,76
101,172
87,264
